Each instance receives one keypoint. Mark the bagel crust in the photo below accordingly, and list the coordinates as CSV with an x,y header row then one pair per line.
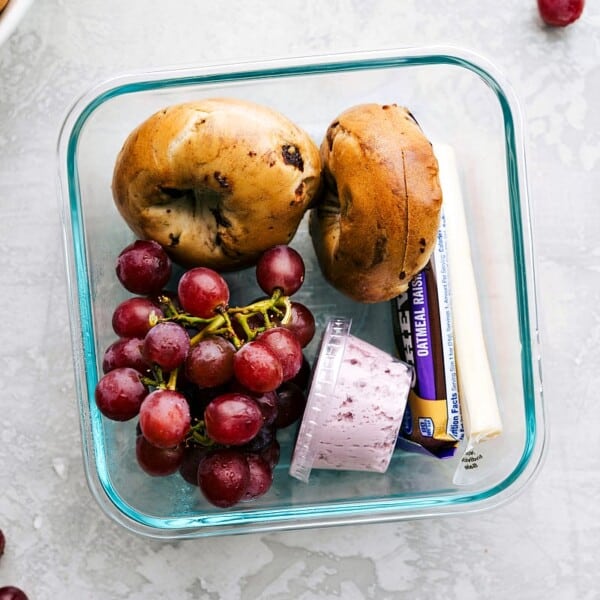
x,y
375,226
216,182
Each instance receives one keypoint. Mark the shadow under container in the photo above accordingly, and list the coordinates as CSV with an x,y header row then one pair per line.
x,y
460,100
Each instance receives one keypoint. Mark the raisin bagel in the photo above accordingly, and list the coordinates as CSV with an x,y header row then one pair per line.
x,y
217,181
375,225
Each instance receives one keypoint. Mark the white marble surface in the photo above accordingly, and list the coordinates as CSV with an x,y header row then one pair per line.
x,y
543,544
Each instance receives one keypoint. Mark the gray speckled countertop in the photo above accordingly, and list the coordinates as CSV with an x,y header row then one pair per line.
x,y
543,544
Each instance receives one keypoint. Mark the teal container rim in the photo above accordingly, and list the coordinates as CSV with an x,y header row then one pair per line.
x,y
331,513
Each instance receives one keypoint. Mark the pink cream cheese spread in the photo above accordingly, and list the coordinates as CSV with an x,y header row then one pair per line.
x,y
355,406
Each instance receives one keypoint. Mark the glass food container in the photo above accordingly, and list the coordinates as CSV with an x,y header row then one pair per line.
x,y
460,101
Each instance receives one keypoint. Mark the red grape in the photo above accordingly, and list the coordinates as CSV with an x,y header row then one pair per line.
x,y
261,477
202,292
143,267
131,318
223,477
119,394
302,378
271,453
267,401
291,404
302,323
10,592
198,398
286,347
280,267
125,352
560,13
210,362
232,419
155,461
191,460
261,440
257,367
165,418
166,345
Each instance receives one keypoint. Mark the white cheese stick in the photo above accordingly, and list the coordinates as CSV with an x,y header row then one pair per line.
x,y
477,394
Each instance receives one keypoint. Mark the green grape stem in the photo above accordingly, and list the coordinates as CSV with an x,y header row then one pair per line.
x,y
172,383
221,324
157,380
277,304
198,434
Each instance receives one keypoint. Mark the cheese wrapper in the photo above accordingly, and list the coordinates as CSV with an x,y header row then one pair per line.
x,y
479,403
478,394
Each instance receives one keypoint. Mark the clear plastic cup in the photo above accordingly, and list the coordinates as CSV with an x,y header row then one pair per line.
x,y
355,406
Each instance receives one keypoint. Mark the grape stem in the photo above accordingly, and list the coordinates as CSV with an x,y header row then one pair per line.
x,y
172,383
277,305
158,380
198,434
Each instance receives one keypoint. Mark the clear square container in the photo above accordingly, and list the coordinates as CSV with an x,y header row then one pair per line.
x,y
461,101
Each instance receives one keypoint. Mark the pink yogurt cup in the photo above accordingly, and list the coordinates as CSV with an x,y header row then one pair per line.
x,y
355,406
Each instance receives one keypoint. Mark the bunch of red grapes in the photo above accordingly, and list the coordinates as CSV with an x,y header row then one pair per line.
x,y
210,383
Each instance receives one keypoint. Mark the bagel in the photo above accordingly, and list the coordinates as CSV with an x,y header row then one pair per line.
x,y
375,225
217,181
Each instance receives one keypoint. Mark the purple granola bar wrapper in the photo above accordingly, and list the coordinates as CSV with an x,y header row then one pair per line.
x,y
423,331
421,326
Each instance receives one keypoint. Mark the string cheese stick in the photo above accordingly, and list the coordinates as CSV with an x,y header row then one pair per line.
x,y
478,400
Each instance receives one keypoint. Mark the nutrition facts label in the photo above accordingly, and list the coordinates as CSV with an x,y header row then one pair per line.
x,y
455,425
